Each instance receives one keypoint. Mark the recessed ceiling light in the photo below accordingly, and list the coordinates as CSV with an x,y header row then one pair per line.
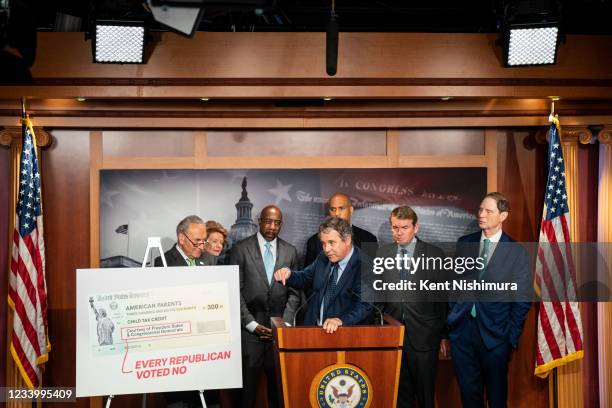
x,y
446,98
81,99
205,99
327,98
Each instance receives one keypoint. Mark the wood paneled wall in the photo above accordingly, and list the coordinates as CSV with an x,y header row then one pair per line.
x,y
588,156
65,172
520,161
5,161
234,66
277,65
66,189
522,172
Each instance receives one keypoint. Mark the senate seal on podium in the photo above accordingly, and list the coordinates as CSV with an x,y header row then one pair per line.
x,y
341,386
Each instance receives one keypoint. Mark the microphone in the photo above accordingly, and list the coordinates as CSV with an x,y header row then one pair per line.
x,y
302,306
311,296
378,309
331,45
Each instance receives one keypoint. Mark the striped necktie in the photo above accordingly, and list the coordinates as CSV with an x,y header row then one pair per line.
x,y
330,290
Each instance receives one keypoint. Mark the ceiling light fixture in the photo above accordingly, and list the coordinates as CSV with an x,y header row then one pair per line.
x,y
118,42
182,17
530,33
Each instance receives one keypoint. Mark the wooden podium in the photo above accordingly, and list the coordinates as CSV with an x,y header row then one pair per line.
x,y
356,363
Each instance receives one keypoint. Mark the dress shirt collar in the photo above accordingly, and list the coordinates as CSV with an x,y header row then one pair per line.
x,y
262,244
344,261
409,248
493,238
185,257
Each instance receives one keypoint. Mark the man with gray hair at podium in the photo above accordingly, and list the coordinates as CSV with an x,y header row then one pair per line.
x,y
335,279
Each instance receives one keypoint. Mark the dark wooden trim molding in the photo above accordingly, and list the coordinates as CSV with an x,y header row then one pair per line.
x,y
303,113
560,82
569,135
605,135
12,134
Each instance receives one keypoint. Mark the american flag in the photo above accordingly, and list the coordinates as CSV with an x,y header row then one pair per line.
x,y
559,322
27,287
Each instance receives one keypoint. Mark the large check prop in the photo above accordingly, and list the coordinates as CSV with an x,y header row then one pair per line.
x,y
157,329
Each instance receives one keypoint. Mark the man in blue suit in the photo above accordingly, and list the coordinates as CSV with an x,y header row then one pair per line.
x,y
484,333
334,277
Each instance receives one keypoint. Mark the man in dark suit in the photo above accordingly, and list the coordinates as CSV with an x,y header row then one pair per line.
x,y
189,247
334,277
425,321
261,298
340,205
483,334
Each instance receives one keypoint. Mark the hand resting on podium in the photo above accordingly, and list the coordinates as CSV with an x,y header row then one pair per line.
x,y
329,325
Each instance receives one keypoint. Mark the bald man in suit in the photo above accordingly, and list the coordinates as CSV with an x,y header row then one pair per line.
x,y
340,205
262,298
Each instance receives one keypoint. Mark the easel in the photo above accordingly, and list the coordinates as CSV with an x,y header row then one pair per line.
x,y
154,243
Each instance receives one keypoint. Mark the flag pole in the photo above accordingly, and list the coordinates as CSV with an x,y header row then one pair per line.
x,y
551,117
555,385
555,402
23,109
555,389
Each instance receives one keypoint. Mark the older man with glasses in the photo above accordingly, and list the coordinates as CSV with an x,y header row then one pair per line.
x,y
190,242
188,251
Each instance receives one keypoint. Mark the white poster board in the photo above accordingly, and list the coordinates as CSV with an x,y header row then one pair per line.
x,y
144,330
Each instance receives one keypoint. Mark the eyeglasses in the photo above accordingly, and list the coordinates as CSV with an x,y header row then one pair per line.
x,y
197,243
268,221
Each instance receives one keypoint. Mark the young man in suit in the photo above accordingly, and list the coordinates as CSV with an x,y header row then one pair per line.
x,y
189,247
425,321
484,333
261,298
340,205
334,277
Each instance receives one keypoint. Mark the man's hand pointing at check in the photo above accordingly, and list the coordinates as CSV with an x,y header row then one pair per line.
x,y
282,275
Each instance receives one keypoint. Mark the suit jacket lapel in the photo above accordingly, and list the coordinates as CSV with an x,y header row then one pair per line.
x,y
280,254
499,254
347,273
419,249
255,253
178,258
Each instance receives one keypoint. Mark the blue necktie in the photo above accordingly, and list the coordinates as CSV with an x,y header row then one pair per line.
x,y
330,290
269,261
403,271
484,254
